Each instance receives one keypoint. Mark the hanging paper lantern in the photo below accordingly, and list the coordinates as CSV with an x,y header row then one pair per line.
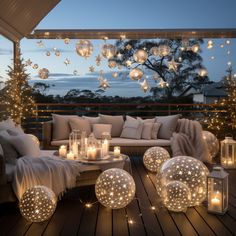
x,y
155,51
164,50
43,73
35,66
115,188
66,40
108,51
38,204
212,143
188,170
84,48
48,53
154,157
176,196
57,53
112,63
140,56
136,74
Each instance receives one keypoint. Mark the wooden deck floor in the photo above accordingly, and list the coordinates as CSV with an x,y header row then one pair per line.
x,y
72,218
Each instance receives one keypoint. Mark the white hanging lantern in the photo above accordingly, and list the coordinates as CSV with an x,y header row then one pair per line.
x,y
217,191
84,48
228,153
108,51
140,56
115,188
136,74
38,204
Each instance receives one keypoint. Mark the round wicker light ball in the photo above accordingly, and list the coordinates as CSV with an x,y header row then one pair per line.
x,y
176,196
212,143
154,157
140,56
115,188
136,74
187,170
84,48
43,73
38,204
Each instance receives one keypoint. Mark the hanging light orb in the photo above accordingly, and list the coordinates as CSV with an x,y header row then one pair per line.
x,y
108,51
115,188
188,170
48,53
202,72
154,157
111,63
66,40
176,196
195,48
140,56
43,73
115,75
212,143
57,53
164,50
155,51
84,48
38,204
35,66
136,74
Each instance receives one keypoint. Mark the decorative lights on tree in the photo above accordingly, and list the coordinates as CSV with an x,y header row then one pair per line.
x,y
17,97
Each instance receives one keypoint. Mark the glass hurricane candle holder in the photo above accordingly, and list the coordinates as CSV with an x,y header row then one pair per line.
x,y
228,153
116,151
74,142
63,150
217,191
106,136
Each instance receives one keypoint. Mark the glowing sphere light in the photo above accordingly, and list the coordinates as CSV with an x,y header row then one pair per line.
x,y
43,73
108,51
115,188
140,56
136,74
84,48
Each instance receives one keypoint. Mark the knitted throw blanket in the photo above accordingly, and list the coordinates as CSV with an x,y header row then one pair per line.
x,y
188,141
55,173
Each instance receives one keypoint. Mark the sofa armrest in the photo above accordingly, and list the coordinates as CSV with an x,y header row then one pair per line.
x,y
47,130
3,179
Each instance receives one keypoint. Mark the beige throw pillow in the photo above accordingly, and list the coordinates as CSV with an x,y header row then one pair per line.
x,y
168,126
81,124
132,128
92,120
117,123
99,129
61,127
155,129
147,130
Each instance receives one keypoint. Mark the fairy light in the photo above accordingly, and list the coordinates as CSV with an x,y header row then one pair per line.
x,y
88,205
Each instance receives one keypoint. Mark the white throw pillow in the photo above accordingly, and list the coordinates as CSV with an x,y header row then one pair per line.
x,y
81,124
98,129
132,128
25,145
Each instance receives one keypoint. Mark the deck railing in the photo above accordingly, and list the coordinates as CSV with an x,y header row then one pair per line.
x,y
43,111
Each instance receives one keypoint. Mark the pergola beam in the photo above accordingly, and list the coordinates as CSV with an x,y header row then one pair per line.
x,y
131,33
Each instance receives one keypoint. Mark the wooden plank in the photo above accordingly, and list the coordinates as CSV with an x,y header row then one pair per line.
x,y
119,223
213,222
150,219
166,222
104,221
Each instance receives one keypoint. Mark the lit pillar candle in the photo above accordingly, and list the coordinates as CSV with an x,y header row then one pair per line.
x,y
75,149
105,147
63,150
216,201
91,153
70,155
116,151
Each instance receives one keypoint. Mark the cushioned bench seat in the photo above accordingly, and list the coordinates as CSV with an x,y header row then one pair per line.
x,y
124,142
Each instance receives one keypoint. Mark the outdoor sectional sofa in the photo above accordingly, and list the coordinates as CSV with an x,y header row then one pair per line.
x,y
134,136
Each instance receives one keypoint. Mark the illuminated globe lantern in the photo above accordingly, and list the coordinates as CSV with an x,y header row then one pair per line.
x,y
43,73
38,204
115,188
155,51
108,51
84,48
154,157
164,50
189,171
111,63
176,196
136,74
212,143
140,56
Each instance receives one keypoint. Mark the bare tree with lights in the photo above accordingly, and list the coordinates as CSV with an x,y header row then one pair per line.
x,y
18,93
176,63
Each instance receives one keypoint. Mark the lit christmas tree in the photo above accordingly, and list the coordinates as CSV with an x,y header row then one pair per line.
x,y
17,97
222,123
